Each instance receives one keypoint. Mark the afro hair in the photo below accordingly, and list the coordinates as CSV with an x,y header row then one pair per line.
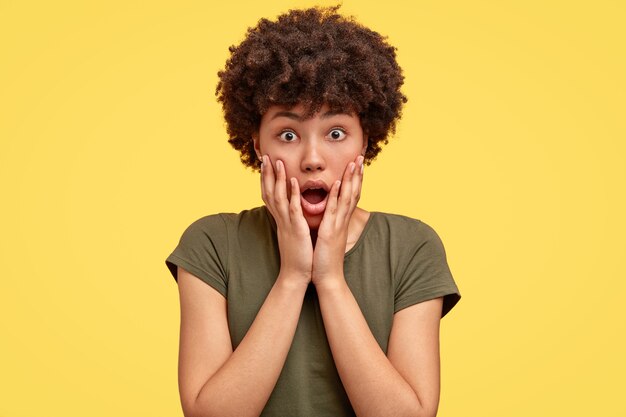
x,y
311,57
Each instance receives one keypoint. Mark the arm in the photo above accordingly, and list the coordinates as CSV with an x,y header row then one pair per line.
x,y
404,383
214,380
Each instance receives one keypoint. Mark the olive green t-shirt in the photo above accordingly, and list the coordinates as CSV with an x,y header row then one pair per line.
x,y
396,262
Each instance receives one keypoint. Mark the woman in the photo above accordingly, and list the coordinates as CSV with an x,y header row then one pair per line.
x,y
314,306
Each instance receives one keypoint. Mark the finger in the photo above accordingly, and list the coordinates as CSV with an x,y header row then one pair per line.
x,y
295,205
267,178
331,205
269,187
345,195
357,180
262,179
261,171
280,190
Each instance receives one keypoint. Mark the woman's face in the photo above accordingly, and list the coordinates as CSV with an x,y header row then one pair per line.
x,y
315,151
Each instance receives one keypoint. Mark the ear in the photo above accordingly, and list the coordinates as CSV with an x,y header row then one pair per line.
x,y
365,143
257,145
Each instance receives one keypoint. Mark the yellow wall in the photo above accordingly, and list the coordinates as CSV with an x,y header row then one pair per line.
x,y
512,147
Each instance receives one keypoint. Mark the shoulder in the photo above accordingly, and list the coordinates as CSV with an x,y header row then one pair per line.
x,y
221,223
207,244
405,229
408,240
420,261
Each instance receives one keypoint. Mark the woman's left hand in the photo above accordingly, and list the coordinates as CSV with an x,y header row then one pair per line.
x,y
332,235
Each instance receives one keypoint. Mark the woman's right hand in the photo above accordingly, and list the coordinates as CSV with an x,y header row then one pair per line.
x,y
294,236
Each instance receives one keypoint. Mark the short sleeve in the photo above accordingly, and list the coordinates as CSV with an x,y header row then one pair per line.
x,y
202,250
426,274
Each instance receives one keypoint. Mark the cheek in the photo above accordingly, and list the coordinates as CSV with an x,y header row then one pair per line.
x,y
340,164
290,169
288,163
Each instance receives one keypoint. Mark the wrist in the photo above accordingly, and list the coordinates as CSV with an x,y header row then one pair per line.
x,y
332,283
293,280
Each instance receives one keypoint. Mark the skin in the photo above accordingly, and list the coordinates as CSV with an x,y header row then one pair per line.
x,y
328,147
214,380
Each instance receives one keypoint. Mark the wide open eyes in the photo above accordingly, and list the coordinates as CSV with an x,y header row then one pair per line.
x,y
335,134
288,136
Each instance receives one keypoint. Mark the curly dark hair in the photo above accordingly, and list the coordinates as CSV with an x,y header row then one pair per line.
x,y
311,57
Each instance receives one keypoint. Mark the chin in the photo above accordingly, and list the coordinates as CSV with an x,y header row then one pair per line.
x,y
314,222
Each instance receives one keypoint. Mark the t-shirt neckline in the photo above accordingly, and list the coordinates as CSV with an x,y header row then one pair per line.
x,y
353,248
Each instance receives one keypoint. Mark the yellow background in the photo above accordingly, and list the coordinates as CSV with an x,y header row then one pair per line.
x,y
512,147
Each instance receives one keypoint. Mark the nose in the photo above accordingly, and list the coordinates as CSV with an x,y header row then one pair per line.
x,y
312,158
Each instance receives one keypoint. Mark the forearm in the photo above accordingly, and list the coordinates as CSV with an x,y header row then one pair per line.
x,y
242,386
374,386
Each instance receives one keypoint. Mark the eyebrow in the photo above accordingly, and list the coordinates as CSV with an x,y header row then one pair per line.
x,y
296,116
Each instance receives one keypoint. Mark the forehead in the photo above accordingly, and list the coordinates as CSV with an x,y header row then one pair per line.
x,y
298,111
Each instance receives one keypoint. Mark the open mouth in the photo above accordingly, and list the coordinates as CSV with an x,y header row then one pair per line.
x,y
314,195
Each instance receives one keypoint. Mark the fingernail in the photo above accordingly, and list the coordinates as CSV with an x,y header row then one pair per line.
x,y
362,167
361,159
352,166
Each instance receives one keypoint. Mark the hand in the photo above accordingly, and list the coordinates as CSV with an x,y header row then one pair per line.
x,y
294,236
332,234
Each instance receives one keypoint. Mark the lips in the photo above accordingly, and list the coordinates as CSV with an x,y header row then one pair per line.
x,y
313,196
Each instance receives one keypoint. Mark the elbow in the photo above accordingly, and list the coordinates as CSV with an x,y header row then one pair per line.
x,y
191,409
195,411
419,408
188,400
420,412
425,411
